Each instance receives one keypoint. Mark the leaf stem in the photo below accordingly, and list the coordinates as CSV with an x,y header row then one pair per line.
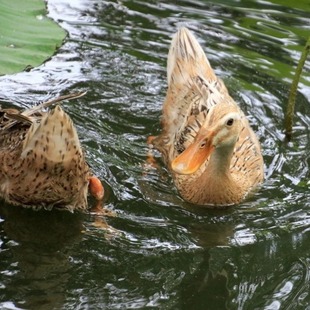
x,y
288,122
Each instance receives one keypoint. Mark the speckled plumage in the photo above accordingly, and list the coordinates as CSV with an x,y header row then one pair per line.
x,y
197,112
42,163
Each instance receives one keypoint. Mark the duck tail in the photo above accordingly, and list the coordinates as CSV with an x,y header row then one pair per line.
x,y
186,59
54,139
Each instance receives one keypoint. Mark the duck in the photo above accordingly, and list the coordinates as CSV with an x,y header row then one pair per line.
x,y
42,163
206,141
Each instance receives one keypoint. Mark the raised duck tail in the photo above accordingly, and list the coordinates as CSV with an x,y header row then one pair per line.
x,y
186,59
55,139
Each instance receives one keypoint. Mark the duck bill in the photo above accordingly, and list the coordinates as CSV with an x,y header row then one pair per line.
x,y
193,157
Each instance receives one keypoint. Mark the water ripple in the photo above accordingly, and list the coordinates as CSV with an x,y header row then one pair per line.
x,y
161,251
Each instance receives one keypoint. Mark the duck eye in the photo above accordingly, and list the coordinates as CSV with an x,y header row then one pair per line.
x,y
203,144
230,122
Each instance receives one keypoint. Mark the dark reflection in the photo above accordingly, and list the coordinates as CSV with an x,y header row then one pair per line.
x,y
207,287
212,234
273,274
38,244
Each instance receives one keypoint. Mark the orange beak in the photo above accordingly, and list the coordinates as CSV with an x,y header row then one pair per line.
x,y
195,155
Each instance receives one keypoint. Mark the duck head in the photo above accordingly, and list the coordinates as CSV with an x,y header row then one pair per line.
x,y
220,132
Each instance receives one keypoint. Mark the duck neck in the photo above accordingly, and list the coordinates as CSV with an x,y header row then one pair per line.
x,y
217,184
220,160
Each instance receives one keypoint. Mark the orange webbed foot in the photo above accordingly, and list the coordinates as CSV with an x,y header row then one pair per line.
x,y
150,159
150,139
96,188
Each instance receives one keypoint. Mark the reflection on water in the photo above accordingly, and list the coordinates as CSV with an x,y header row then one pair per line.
x,y
36,245
166,253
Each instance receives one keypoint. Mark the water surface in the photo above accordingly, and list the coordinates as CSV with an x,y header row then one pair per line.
x,y
161,252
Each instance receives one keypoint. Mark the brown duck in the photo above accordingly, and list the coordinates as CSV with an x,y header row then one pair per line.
x,y
42,163
206,140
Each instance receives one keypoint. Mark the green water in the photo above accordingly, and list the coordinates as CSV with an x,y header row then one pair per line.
x,y
160,252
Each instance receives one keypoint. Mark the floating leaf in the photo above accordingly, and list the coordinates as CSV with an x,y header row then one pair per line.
x,y
27,36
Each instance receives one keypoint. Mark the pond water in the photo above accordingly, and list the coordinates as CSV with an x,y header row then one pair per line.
x,y
160,252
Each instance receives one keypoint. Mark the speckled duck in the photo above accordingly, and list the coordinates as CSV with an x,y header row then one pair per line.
x,y
42,164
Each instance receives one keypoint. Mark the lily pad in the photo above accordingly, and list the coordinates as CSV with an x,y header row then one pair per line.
x,y
27,36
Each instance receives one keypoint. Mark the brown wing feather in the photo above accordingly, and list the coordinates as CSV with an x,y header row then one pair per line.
x,y
193,89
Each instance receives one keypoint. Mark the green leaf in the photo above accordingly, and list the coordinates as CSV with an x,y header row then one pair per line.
x,y
27,36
